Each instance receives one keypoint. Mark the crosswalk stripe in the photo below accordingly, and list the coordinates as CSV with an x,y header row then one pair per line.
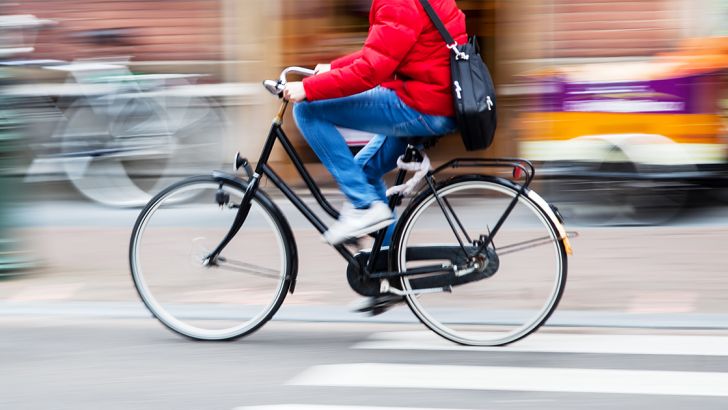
x,y
328,407
563,343
414,376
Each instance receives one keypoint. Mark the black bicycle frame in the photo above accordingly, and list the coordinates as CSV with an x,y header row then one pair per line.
x,y
520,166
276,133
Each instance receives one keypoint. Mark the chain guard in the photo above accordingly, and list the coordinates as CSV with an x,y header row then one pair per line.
x,y
371,287
445,280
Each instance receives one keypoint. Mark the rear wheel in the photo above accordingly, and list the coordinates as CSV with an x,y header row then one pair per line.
x,y
229,298
499,294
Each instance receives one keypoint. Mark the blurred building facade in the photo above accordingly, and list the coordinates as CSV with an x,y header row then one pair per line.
x,y
150,30
250,40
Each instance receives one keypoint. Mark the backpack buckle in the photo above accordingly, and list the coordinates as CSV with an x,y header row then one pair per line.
x,y
459,55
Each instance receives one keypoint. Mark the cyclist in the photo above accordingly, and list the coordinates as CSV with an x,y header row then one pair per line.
x,y
397,86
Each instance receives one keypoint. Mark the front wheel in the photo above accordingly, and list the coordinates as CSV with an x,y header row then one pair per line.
x,y
223,300
503,290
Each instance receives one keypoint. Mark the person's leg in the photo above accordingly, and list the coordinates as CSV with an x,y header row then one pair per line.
x,y
378,111
376,159
328,144
379,157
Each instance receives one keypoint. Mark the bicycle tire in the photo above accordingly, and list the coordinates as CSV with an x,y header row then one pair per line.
x,y
478,318
197,300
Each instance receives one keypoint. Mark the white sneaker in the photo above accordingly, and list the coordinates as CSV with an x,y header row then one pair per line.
x,y
354,223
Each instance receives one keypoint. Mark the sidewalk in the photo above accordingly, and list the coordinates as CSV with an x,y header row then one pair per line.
x,y
673,276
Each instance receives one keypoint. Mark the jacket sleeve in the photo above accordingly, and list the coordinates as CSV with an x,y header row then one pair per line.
x,y
345,60
395,28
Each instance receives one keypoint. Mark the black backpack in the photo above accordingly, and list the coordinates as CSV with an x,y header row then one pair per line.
x,y
472,88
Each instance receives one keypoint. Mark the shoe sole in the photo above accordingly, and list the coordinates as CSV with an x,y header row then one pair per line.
x,y
364,231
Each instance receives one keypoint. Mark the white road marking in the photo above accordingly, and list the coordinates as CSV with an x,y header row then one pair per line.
x,y
563,343
515,379
329,407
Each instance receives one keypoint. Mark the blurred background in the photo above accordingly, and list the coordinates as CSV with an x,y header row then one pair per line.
x,y
623,105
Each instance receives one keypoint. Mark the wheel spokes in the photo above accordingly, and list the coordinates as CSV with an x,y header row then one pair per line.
x,y
512,304
244,267
525,245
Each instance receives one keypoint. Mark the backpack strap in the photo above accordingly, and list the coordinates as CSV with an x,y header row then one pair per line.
x,y
451,43
437,22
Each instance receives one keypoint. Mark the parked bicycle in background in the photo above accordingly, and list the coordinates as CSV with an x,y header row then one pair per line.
x,y
117,135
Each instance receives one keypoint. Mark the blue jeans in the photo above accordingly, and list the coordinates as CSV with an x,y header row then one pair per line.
x,y
379,111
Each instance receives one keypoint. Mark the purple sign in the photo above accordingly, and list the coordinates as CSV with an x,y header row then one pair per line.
x,y
669,96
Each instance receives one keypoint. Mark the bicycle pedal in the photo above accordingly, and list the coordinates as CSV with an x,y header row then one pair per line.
x,y
378,311
374,306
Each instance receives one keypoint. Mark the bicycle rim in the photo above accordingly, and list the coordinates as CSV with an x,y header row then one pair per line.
x,y
221,302
526,268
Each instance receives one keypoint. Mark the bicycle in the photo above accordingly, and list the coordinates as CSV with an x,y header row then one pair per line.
x,y
457,250
118,136
129,135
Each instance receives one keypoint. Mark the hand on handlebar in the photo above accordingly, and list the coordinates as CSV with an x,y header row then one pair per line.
x,y
290,91
294,92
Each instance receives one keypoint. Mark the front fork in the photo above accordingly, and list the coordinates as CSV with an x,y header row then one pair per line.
x,y
251,190
240,218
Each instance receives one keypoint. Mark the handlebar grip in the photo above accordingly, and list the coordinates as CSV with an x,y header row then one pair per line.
x,y
276,87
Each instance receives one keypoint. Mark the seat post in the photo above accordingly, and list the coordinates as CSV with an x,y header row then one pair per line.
x,y
410,154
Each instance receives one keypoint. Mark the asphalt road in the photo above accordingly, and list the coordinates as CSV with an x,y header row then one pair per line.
x,y
81,363
643,324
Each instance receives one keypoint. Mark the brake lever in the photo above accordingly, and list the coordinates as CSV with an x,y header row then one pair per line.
x,y
274,87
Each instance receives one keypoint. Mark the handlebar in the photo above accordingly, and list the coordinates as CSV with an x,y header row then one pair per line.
x,y
276,87
296,70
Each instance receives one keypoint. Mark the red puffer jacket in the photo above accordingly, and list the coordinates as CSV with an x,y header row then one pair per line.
x,y
403,52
